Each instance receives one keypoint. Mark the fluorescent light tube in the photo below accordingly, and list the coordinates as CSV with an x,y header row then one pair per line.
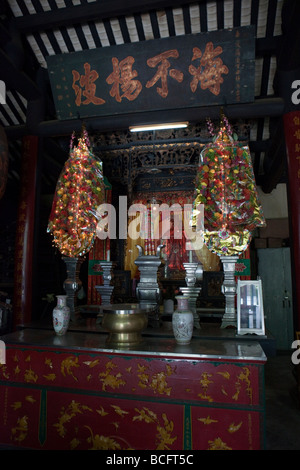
x,y
153,127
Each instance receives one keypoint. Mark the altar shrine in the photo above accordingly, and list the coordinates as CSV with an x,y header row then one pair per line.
x,y
72,392
138,146
114,366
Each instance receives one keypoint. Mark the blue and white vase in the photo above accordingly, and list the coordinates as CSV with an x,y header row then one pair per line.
x,y
61,315
183,321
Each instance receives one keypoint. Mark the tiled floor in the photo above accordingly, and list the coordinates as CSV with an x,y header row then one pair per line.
x,y
282,404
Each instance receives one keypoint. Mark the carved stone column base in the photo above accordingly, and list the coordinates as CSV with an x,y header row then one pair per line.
x,y
190,271
72,284
194,273
106,290
229,290
148,291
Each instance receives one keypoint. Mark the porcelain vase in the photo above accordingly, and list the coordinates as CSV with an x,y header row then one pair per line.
x,y
183,321
61,315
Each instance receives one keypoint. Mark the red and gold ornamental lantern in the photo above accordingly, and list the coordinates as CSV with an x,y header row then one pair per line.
x,y
226,187
79,191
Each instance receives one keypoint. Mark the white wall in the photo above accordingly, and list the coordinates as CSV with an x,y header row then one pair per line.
x,y
275,204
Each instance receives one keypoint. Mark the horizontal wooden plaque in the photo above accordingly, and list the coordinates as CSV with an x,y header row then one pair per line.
x,y
214,68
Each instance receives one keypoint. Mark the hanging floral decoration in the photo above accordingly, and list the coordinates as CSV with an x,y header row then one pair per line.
x,y
79,191
225,185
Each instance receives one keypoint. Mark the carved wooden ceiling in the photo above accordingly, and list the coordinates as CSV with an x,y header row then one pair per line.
x,y
31,30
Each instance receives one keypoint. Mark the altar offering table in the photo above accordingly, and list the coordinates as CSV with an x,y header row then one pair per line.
x,y
72,392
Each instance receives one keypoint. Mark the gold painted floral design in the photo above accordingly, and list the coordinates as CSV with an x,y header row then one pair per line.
x,y
164,437
156,377
110,380
157,382
67,414
205,383
164,430
244,376
20,431
234,427
67,366
218,444
30,376
207,420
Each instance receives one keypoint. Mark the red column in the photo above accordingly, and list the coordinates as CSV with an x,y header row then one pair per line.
x,y
292,138
22,301
97,253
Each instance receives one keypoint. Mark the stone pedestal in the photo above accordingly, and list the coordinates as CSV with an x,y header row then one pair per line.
x,y
190,270
106,289
194,273
229,290
72,284
147,290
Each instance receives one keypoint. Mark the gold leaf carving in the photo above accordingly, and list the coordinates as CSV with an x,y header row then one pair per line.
x,y
67,365
207,420
234,427
205,382
158,382
225,374
164,430
101,412
74,443
224,391
30,399
20,431
16,405
92,363
66,415
119,411
218,444
102,442
48,362
30,376
50,377
110,380
3,368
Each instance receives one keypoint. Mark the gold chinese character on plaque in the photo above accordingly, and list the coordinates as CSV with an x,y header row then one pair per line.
x,y
163,71
86,87
123,77
209,73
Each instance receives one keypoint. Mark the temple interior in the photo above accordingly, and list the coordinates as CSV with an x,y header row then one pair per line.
x,y
149,236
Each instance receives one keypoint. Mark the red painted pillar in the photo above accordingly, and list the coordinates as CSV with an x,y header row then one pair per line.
x,y
292,139
22,301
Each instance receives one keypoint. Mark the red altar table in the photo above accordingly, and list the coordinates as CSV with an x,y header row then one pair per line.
x,y
72,392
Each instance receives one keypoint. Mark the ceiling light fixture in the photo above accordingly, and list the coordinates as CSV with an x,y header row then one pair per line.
x,y
153,127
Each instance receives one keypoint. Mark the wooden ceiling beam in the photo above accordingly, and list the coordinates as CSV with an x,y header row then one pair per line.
x,y
16,79
289,52
288,67
106,9
259,108
90,12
